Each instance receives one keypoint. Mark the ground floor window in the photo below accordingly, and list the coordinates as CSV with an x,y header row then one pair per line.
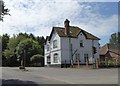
x,y
55,58
48,60
86,58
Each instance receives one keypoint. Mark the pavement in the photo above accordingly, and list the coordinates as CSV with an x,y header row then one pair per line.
x,y
42,75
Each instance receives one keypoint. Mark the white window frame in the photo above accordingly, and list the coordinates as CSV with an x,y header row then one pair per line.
x,y
81,43
54,43
55,58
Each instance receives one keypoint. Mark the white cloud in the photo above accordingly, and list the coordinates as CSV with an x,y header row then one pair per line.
x,y
39,16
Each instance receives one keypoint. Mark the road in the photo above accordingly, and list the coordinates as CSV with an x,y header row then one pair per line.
x,y
41,75
16,76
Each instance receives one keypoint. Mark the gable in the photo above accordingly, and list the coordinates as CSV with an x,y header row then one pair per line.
x,y
53,32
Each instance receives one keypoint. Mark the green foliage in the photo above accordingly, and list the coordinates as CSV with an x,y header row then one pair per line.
x,y
3,44
21,67
14,47
3,10
110,63
31,48
5,40
118,63
37,60
115,38
102,63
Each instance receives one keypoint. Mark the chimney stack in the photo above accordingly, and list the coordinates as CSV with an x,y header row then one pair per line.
x,y
67,27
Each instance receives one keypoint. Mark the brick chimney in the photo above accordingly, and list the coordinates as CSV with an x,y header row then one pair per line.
x,y
67,27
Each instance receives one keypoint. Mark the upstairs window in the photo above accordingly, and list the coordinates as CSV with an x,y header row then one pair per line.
x,y
55,44
81,43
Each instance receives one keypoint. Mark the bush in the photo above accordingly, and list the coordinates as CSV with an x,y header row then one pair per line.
x,y
37,60
110,63
21,67
118,64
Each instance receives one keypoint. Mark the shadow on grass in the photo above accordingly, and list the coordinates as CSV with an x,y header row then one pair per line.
x,y
17,82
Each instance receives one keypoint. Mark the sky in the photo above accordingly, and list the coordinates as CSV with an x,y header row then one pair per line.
x,y
39,16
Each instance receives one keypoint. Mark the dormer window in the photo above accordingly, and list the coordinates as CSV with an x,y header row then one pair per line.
x,y
55,44
81,43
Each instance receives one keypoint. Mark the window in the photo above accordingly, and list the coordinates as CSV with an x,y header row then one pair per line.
x,y
55,60
47,47
81,43
48,60
55,44
86,58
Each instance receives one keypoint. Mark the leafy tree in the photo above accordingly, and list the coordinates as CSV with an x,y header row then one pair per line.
x,y
3,10
5,40
9,53
27,48
115,38
10,50
41,41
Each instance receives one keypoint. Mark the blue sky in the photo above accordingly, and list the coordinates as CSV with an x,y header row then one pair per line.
x,y
39,16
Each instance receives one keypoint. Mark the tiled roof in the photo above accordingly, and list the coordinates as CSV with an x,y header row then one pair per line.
x,y
110,47
74,32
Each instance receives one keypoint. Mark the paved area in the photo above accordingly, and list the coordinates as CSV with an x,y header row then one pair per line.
x,y
41,75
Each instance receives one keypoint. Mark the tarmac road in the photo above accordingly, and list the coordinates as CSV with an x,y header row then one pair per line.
x,y
41,75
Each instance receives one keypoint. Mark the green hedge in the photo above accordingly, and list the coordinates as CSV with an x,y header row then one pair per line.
x,y
37,60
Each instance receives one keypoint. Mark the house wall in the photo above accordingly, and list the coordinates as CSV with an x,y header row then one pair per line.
x,y
65,53
52,50
87,49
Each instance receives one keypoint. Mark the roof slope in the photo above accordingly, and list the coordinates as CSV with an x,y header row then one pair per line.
x,y
110,47
74,32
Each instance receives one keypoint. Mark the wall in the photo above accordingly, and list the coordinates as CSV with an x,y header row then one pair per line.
x,y
87,49
52,50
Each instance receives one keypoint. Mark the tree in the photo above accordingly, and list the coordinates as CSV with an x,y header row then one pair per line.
x,y
4,41
27,48
11,44
41,41
3,10
9,55
115,38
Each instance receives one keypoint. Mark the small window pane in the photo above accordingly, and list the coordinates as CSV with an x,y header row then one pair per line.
x,y
56,58
55,44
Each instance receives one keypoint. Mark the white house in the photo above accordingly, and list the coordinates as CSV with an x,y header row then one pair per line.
x,y
69,45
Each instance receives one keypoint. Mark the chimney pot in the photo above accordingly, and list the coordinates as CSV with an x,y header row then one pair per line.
x,y
67,27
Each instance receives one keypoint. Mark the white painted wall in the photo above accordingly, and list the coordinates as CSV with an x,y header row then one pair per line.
x,y
87,49
52,50
63,48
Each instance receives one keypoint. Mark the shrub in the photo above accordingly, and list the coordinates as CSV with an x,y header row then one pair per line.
x,y
110,63
37,60
21,67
